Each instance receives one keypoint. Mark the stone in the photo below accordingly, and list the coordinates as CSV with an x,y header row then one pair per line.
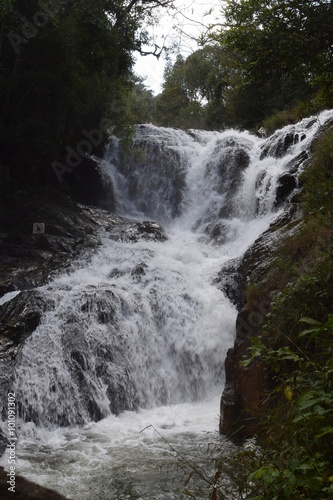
x,y
287,183
19,318
89,185
25,490
244,399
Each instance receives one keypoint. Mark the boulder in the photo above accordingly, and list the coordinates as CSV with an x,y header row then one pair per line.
x,y
19,318
30,260
89,184
287,183
25,490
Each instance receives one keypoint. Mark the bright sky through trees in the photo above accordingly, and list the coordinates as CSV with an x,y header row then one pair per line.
x,y
180,27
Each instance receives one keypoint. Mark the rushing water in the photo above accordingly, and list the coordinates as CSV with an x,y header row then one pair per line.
x,y
119,385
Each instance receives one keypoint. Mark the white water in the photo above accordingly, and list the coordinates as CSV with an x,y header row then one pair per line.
x,y
140,327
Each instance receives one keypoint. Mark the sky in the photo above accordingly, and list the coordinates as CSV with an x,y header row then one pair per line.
x,y
186,24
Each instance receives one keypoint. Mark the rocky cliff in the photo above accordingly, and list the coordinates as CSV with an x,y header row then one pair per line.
x,y
245,402
244,399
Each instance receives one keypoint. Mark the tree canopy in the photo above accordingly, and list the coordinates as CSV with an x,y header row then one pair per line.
x,y
64,66
282,40
194,90
266,55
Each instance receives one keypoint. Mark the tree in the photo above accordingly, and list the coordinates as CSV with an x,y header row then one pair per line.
x,y
194,90
174,99
65,65
141,102
282,41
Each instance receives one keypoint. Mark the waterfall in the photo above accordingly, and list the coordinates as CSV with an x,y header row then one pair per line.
x,y
138,327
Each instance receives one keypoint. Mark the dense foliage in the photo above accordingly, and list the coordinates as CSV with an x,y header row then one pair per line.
x,y
296,345
269,55
194,90
65,66
282,38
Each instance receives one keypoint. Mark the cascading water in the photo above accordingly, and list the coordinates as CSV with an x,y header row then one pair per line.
x,y
136,335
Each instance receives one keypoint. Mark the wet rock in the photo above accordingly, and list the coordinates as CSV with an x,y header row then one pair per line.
x,y
244,399
19,318
30,260
234,160
136,231
217,231
25,490
286,185
155,173
231,281
89,185
278,144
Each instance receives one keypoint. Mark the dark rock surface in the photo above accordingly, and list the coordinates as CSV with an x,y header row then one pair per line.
x,y
279,143
155,173
234,160
30,260
244,399
286,185
88,185
19,318
25,490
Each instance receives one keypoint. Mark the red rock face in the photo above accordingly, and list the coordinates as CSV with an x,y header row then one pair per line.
x,y
245,395
244,400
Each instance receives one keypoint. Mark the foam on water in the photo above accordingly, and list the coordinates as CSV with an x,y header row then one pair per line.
x,y
140,326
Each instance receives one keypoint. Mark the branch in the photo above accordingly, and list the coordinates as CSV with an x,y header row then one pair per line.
x,y
149,3
200,474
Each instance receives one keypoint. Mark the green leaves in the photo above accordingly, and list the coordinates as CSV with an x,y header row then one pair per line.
x,y
317,328
267,473
299,463
64,76
264,33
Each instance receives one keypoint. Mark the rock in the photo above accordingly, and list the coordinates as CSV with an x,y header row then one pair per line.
x,y
25,490
4,182
159,195
135,231
89,185
30,260
19,318
286,185
234,160
278,144
231,281
244,399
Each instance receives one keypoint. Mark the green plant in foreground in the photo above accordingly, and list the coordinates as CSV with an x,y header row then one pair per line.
x,y
298,461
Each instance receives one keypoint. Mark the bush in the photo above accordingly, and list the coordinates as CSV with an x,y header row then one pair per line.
x,y
296,347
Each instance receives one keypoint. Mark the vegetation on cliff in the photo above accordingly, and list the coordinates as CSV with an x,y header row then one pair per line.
x,y
296,347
